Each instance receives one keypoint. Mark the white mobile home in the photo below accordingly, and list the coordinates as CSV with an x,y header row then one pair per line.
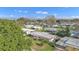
x,y
27,31
29,26
37,27
44,35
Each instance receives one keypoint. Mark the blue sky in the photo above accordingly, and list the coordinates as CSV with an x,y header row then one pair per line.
x,y
39,12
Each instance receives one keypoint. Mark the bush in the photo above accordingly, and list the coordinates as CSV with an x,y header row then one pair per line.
x,y
39,43
51,44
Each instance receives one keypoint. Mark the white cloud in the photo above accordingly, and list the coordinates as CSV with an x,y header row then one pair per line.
x,y
38,12
55,15
11,15
68,17
41,12
45,12
19,11
25,11
3,16
75,16
23,16
63,17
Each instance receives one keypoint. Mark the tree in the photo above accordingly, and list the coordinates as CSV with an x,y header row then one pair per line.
x,y
11,37
67,30
64,31
21,21
50,20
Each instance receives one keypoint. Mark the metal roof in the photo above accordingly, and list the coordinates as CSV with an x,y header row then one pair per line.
x,y
69,41
43,35
75,33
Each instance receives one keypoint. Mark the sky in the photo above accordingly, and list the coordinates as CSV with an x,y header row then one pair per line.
x,y
39,12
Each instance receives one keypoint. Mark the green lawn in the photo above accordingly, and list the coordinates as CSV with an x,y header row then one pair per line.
x,y
43,47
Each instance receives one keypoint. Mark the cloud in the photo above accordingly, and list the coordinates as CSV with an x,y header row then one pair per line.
x,y
18,11
68,17
75,16
38,12
21,11
11,15
55,15
3,16
45,12
25,11
41,12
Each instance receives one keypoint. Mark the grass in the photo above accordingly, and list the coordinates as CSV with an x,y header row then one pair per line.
x,y
39,45
44,47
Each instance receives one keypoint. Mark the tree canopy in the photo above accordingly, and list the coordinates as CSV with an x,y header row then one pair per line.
x,y
11,37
